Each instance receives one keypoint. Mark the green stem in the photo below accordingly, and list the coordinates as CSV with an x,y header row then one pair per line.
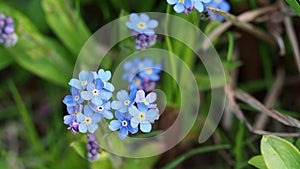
x,y
230,46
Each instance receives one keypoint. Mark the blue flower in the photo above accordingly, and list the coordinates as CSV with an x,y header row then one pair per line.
x,y
105,77
142,24
73,113
142,116
146,100
180,5
96,93
123,124
198,4
221,4
131,69
136,83
150,70
75,98
88,121
102,109
85,78
124,101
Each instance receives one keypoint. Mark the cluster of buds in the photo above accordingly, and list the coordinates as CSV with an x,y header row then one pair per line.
x,y
7,31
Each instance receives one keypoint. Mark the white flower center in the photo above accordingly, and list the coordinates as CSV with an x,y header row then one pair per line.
x,y
124,123
100,108
95,92
76,98
126,102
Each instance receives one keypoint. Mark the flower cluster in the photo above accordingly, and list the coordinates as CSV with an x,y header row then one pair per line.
x,y
92,147
7,31
143,30
89,101
186,6
133,110
142,74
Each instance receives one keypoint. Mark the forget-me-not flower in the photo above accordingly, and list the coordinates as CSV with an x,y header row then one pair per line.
x,y
88,122
74,98
142,116
96,92
199,4
146,100
180,5
142,24
85,78
124,100
123,124
105,77
102,109
73,113
150,70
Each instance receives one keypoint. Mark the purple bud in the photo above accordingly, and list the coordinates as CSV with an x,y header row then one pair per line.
x,y
9,20
143,37
9,29
1,24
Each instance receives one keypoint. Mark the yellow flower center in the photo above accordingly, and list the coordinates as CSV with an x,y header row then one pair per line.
x,y
144,101
142,116
182,1
137,81
141,25
83,83
76,98
75,114
126,102
88,120
149,71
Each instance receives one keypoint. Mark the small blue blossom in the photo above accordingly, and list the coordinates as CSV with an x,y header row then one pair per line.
x,y
75,98
96,92
123,124
88,121
136,83
142,116
150,70
102,109
105,77
142,24
73,113
199,4
131,69
85,78
146,100
124,101
220,4
180,5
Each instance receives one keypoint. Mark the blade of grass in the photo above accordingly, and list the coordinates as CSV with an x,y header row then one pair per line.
x,y
230,46
193,152
238,148
33,138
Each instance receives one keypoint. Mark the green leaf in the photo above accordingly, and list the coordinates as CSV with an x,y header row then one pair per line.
x,y
37,53
279,153
80,148
258,162
295,4
103,161
70,29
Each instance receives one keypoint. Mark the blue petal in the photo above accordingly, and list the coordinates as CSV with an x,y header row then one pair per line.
x,y
187,3
119,116
99,84
80,117
83,75
134,122
145,126
133,110
68,119
122,95
110,87
104,75
75,83
199,6
87,95
151,97
88,111
134,17
172,2
142,107
152,115
82,128
179,7
114,125
148,32
144,18
116,105
90,86
140,95
97,100
152,24
132,130
123,109
96,118
69,100
108,115
123,133
207,1
129,25
92,127
71,109
132,94
105,95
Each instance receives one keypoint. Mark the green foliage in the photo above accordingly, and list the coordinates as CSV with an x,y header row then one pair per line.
x,y
277,153
295,4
